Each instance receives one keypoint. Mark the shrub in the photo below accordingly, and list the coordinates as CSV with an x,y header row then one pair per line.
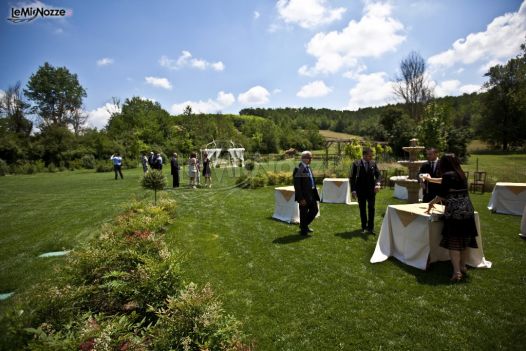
x,y
104,166
279,178
154,180
4,168
23,167
251,182
40,166
88,161
250,165
51,168
123,291
132,163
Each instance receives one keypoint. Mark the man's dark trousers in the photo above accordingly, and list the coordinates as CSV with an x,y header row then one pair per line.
x,y
117,169
307,214
176,179
366,200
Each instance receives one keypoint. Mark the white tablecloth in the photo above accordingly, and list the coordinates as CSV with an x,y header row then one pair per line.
x,y
336,191
286,208
400,192
413,237
523,223
508,198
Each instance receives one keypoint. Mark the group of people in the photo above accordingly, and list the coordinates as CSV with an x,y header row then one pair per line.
x,y
443,181
152,161
195,169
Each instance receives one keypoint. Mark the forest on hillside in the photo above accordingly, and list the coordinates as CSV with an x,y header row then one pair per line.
x,y
43,125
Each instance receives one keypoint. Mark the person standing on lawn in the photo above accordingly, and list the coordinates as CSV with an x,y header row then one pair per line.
x,y
174,165
306,193
431,167
117,164
207,171
365,182
460,230
144,161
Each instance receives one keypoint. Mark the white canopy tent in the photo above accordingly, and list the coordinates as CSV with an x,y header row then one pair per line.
x,y
235,151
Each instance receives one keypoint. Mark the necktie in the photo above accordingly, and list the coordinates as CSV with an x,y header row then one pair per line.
x,y
310,177
433,165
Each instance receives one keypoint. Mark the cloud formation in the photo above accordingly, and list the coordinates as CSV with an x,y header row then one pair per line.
x,y
257,95
453,87
187,60
500,41
98,118
371,90
159,82
375,34
308,13
105,61
314,89
222,101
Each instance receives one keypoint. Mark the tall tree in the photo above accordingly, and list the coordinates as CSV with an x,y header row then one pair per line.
x,y
412,86
14,108
77,120
56,94
504,119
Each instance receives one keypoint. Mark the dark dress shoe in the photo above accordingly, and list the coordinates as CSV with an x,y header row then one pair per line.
x,y
364,231
370,231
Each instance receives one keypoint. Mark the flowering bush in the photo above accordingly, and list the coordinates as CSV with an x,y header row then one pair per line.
x,y
123,291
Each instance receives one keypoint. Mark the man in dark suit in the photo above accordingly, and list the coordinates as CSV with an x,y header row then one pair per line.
x,y
174,165
365,183
306,193
431,167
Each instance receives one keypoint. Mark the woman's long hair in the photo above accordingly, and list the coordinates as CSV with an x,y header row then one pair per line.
x,y
450,163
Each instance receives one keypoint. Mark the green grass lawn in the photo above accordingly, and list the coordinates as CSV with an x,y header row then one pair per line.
x,y
318,293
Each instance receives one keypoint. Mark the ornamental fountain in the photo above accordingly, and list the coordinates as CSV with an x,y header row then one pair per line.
x,y
411,182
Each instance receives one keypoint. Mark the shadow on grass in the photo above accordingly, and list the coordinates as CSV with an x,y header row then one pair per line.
x,y
289,239
438,273
354,234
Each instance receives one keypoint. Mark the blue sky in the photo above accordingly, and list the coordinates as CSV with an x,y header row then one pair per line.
x,y
226,55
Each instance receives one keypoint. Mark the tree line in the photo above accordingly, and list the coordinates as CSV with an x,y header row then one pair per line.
x,y
45,121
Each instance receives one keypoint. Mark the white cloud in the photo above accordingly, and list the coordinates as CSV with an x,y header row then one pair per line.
x,y
447,87
187,60
371,90
254,96
375,34
256,15
98,118
2,94
308,13
314,89
147,99
469,88
104,61
453,87
159,82
225,99
276,91
485,67
222,101
500,40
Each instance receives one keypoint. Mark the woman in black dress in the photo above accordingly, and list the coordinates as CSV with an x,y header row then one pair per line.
x,y
460,229
207,172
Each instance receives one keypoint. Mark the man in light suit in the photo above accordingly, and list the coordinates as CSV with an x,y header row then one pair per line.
x,y
431,167
306,193
365,183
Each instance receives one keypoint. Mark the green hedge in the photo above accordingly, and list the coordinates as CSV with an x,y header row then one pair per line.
x,y
123,291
